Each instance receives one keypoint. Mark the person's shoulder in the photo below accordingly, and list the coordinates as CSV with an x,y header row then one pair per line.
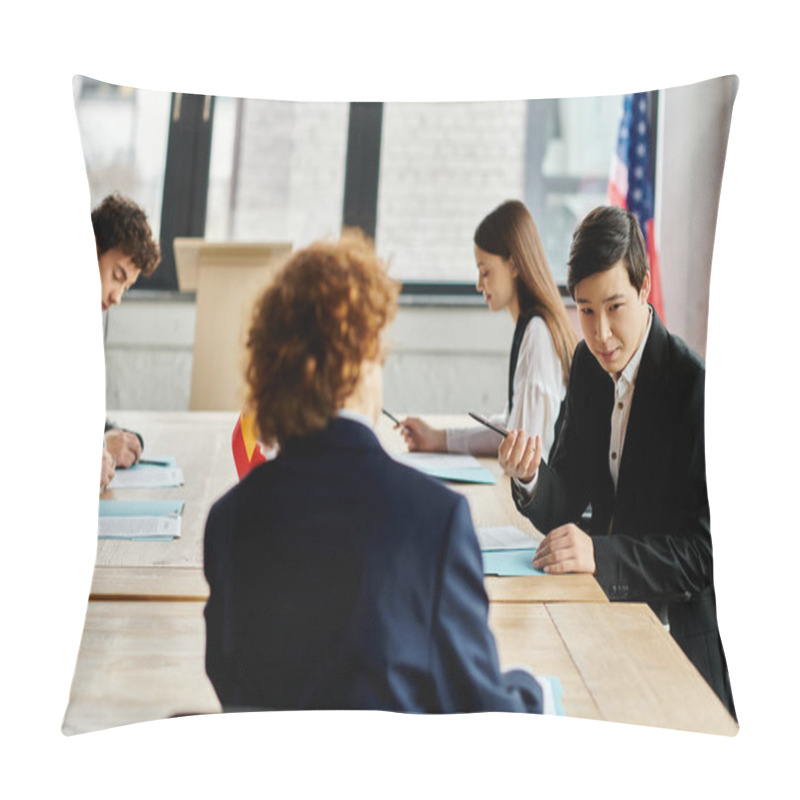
x,y
685,365
684,354
241,494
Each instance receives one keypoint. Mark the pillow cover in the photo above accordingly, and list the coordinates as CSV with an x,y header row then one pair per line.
x,y
417,177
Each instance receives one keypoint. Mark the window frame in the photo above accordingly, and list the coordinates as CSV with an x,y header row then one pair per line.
x,y
186,182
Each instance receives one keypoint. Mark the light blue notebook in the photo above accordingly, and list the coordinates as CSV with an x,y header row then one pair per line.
x,y
140,520
509,562
458,467
553,693
140,508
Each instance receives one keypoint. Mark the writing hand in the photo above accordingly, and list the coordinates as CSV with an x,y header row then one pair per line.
x,y
124,446
421,436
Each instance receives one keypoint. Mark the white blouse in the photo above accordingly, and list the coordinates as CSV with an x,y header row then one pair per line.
x,y
539,388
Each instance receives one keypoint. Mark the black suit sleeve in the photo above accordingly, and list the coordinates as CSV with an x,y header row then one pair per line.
x,y
465,666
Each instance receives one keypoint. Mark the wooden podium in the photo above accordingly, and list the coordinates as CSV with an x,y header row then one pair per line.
x,y
228,278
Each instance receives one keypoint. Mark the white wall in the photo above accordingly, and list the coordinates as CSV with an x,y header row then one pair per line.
x,y
442,359
693,134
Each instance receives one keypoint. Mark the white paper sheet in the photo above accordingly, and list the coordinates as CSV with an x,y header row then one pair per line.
x,y
506,537
147,477
139,527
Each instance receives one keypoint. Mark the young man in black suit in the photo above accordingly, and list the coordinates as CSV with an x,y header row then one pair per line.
x,y
632,447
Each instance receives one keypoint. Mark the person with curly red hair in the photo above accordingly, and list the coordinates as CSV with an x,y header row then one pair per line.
x,y
338,577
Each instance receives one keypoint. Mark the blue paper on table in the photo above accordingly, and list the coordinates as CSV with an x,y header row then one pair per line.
x,y
509,562
140,508
551,686
460,468
140,520
162,474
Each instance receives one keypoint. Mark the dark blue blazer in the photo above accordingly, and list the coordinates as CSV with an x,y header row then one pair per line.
x,y
652,538
341,579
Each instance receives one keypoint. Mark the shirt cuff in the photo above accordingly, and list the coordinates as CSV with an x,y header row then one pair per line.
x,y
526,491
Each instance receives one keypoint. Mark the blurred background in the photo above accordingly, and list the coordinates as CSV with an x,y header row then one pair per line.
x,y
418,178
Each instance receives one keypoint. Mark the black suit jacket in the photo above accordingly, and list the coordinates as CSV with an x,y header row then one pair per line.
x,y
651,538
341,579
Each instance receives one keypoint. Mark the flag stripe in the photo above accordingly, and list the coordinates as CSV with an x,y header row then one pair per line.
x,y
244,445
630,183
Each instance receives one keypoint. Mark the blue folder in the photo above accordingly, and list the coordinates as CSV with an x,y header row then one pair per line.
x,y
509,562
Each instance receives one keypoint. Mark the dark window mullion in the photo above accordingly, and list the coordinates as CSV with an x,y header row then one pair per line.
x,y
185,181
362,167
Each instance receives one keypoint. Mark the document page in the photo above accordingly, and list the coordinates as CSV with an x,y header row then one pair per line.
x,y
458,467
148,476
505,537
139,527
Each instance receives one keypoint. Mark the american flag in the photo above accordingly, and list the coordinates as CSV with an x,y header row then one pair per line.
x,y
630,184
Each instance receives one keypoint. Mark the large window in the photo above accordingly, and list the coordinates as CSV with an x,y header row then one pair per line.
x,y
444,166
418,176
277,170
124,137
570,143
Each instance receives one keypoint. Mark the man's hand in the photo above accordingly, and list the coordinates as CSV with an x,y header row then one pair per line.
x,y
123,446
421,436
106,469
566,549
520,457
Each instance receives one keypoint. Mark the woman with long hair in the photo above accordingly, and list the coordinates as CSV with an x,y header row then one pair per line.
x,y
513,275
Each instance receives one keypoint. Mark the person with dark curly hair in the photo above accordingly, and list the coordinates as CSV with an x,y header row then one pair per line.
x,y
126,249
338,577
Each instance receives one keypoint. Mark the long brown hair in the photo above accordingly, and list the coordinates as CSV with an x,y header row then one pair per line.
x,y
510,232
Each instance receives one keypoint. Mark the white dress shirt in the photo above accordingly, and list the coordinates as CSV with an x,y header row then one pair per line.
x,y
539,388
624,385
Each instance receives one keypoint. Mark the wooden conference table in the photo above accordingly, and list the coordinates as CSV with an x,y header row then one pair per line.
x,y
142,651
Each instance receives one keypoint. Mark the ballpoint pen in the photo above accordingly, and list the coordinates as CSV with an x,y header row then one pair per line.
x,y
391,417
483,421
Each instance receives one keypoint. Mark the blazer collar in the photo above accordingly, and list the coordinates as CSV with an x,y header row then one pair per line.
x,y
655,349
340,433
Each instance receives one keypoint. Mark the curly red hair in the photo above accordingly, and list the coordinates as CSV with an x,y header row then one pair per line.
x,y
312,329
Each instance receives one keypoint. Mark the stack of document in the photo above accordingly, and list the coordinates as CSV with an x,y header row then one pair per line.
x,y
161,475
140,520
507,551
448,466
